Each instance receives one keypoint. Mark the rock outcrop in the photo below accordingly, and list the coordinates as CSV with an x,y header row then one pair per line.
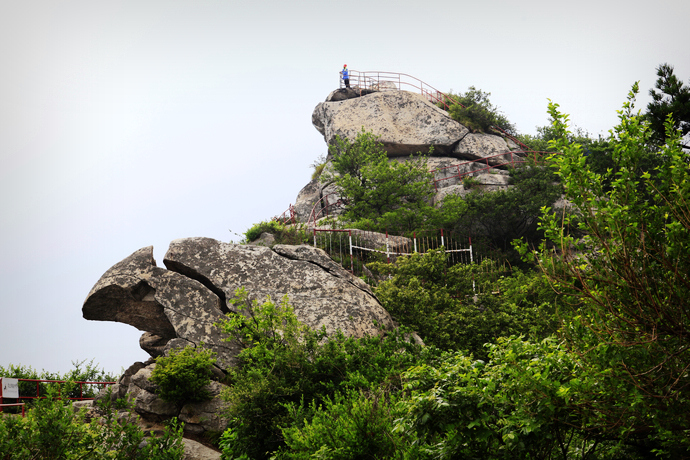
x,y
166,304
180,305
406,122
321,292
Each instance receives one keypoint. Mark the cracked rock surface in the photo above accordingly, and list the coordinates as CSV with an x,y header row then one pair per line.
x,y
160,302
406,122
320,291
180,304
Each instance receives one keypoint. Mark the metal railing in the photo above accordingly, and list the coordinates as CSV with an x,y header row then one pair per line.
x,y
391,81
38,390
354,249
322,206
516,158
287,217
23,406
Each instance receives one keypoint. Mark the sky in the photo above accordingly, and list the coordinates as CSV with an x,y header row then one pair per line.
x,y
125,124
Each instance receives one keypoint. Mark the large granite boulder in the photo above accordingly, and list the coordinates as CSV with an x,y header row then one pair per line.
x,y
178,307
164,303
476,146
405,122
320,291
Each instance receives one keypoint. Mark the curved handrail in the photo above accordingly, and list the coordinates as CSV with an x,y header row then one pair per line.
x,y
284,219
521,159
314,215
377,80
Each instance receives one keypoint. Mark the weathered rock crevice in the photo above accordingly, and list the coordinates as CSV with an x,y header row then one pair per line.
x,y
324,262
196,276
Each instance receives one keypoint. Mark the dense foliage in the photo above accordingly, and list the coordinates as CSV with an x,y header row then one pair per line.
x,y
52,429
440,304
182,375
287,371
628,277
380,191
499,217
474,110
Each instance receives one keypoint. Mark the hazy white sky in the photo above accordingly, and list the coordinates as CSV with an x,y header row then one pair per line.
x,y
125,124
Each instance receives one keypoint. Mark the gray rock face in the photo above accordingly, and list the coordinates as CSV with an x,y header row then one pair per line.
x,y
161,302
475,146
310,195
406,122
483,182
149,404
321,292
206,414
196,451
178,307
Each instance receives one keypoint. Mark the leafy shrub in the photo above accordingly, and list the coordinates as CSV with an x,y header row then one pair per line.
x,y
52,429
284,365
478,113
82,372
182,376
468,182
284,234
353,424
438,302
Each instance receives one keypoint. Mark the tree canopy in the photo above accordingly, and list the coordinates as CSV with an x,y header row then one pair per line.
x,y
381,191
669,97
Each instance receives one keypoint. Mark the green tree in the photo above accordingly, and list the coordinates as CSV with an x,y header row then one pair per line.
x,y
628,278
382,191
669,97
439,302
474,110
285,368
183,375
52,429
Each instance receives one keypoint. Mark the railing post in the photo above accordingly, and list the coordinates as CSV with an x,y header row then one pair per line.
x,y
388,251
352,264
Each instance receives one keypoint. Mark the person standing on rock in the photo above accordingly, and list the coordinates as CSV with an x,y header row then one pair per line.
x,y
345,75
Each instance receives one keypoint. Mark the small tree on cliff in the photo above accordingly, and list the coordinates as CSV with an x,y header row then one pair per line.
x,y
380,192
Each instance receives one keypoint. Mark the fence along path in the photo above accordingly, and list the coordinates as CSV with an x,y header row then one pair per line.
x,y
27,386
353,249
